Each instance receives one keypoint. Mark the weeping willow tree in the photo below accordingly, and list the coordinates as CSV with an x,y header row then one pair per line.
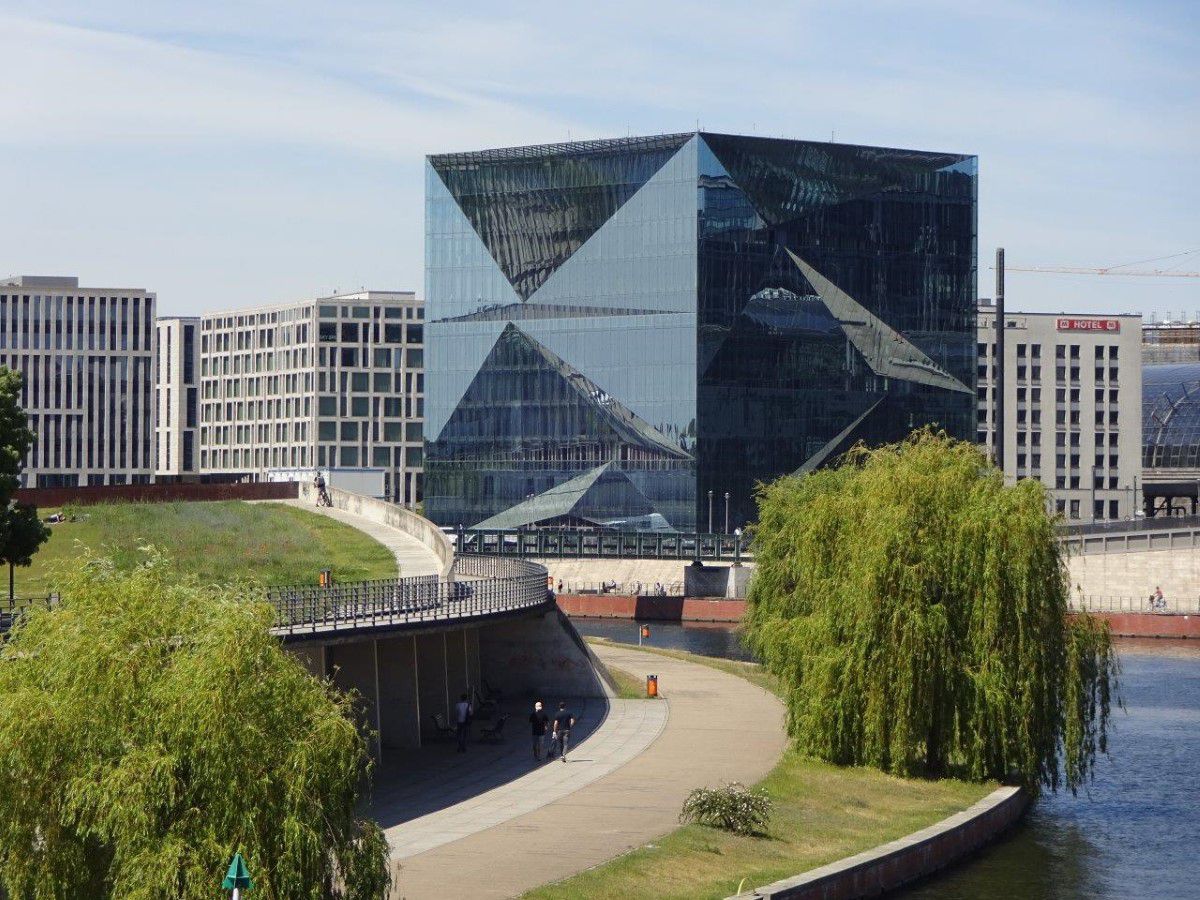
x,y
152,726
915,609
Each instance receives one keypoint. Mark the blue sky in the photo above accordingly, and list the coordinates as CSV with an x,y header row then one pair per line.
x,y
225,154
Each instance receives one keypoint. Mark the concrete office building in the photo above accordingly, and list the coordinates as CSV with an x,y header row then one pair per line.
x,y
87,355
177,402
335,383
1072,407
631,332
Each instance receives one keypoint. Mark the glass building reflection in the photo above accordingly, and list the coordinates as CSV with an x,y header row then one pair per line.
x,y
618,327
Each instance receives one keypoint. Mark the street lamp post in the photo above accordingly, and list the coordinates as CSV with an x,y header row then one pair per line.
x,y
710,496
726,531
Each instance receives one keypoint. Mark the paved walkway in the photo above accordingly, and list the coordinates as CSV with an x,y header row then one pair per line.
x,y
413,557
430,798
622,787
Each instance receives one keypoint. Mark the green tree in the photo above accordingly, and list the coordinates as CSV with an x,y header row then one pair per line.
x,y
915,608
21,534
15,436
150,726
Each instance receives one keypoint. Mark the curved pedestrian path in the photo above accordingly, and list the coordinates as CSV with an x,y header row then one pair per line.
x,y
413,557
622,787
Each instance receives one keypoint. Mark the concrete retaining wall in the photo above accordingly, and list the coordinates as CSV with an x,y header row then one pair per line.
x,y
652,609
390,514
889,866
538,656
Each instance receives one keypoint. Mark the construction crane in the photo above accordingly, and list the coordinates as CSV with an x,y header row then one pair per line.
x,y
1122,269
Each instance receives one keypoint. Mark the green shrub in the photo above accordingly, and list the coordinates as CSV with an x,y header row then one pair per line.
x,y
731,808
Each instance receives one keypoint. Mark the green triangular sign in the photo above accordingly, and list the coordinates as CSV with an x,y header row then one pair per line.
x,y
238,875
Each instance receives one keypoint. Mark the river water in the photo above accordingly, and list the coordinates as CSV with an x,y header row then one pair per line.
x,y
1133,833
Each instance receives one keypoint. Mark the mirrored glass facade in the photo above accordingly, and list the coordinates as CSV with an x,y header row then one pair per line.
x,y
618,327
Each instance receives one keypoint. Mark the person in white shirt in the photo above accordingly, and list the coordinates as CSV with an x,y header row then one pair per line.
x,y
462,720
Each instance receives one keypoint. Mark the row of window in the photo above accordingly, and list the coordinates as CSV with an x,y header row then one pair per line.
x,y
1061,351
76,323
1061,373
1061,395
1064,482
259,458
1061,417
1098,508
304,313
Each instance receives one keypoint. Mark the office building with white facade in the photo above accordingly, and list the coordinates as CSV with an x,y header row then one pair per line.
x,y
1072,407
333,383
87,356
177,400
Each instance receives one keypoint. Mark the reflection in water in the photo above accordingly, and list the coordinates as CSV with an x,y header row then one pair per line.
x,y
705,638
1133,833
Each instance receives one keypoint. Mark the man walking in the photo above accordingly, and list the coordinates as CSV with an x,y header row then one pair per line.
x,y
563,721
462,719
539,722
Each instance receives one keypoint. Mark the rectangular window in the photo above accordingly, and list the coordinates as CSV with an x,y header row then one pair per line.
x,y
360,406
412,457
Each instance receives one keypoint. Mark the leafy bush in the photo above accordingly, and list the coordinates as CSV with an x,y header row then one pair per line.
x,y
731,808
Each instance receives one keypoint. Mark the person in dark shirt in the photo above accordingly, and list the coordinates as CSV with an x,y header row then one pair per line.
x,y
563,721
539,722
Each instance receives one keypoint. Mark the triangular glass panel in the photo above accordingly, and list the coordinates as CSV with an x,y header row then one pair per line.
x,y
784,179
533,207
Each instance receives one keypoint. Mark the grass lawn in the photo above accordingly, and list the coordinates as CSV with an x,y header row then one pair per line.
x,y
822,813
271,542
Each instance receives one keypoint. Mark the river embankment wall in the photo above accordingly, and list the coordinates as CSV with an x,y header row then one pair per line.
x,y
890,866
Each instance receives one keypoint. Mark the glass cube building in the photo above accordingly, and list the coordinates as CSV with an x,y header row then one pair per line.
x,y
617,328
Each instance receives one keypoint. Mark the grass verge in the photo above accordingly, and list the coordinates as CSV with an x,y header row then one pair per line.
x,y
628,685
222,541
822,813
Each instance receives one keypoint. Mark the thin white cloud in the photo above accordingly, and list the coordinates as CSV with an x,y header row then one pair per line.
x,y
68,84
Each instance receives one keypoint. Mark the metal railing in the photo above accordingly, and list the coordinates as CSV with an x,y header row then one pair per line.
x,y
571,543
486,586
12,610
1171,606
490,587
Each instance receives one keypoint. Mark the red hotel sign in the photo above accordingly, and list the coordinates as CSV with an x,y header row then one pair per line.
x,y
1107,325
